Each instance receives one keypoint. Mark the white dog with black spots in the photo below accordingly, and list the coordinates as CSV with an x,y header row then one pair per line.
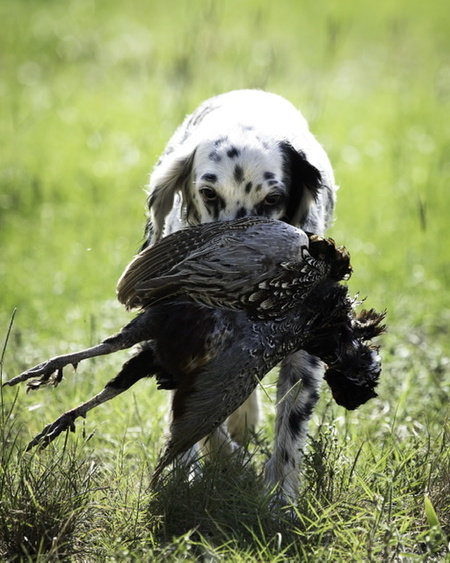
x,y
249,152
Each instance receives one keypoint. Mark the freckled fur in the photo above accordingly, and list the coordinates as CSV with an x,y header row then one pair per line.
x,y
257,125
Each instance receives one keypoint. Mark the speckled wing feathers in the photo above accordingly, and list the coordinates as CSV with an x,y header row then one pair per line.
x,y
256,264
159,259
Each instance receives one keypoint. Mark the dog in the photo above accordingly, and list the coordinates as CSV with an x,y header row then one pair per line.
x,y
244,153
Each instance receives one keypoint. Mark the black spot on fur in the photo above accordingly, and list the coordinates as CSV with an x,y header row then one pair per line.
x,y
214,156
241,212
286,456
233,152
269,175
208,177
238,173
298,417
295,422
258,188
216,206
220,141
314,362
248,187
196,118
272,182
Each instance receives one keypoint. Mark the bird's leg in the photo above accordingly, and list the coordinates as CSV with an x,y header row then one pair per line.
x,y
67,420
297,393
139,366
51,371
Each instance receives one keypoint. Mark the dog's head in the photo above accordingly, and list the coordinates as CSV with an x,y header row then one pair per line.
x,y
222,179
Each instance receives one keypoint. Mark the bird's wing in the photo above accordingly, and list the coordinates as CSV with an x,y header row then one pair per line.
x,y
216,275
261,266
159,259
236,275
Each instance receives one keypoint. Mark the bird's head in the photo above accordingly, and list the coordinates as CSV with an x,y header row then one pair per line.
x,y
354,371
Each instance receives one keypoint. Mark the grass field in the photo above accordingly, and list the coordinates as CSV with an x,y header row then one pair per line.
x,y
90,92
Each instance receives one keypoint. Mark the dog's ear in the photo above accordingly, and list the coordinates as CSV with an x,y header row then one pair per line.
x,y
171,175
304,182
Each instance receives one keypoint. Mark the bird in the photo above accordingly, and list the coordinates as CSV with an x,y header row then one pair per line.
x,y
219,305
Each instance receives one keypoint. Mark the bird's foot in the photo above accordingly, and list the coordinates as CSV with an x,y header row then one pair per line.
x,y
65,422
46,373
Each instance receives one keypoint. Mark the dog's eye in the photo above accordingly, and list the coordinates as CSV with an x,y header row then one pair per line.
x,y
273,198
208,194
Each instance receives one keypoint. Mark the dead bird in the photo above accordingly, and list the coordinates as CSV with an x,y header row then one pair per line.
x,y
221,304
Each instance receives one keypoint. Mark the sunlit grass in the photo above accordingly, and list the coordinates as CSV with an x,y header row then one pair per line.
x,y
90,92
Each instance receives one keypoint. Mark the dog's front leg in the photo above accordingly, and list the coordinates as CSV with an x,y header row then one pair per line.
x,y
297,394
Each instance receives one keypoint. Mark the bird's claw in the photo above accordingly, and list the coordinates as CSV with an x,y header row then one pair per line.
x,y
52,431
53,377
46,373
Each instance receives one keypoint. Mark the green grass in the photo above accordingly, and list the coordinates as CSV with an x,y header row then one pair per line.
x,y
90,92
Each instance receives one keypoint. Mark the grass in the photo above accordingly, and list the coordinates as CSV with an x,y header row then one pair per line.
x,y
91,91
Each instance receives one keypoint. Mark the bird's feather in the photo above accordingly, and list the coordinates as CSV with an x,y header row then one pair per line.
x,y
235,265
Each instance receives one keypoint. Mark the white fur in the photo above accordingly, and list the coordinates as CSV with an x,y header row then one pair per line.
x,y
255,123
